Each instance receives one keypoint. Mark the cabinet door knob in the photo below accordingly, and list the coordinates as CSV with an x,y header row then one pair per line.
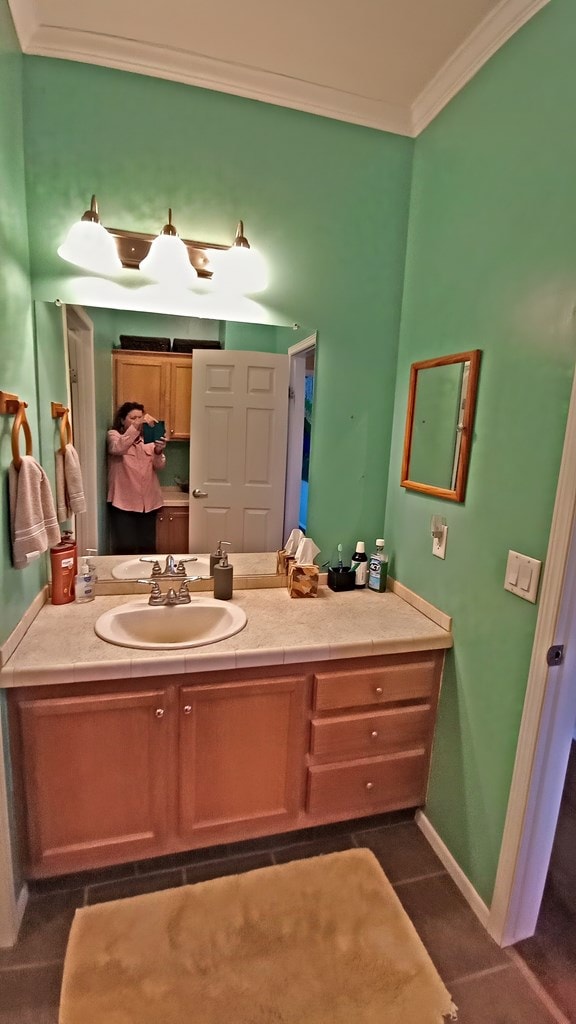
x,y
172,431
170,518
159,712
369,785
379,691
187,709
374,734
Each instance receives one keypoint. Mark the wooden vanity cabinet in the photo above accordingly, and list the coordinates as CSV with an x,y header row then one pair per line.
x,y
123,770
161,381
241,754
94,778
172,530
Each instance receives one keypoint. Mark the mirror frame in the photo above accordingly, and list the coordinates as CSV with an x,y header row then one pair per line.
x,y
465,426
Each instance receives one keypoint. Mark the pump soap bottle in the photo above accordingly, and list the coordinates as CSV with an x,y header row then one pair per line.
x,y
360,565
216,556
84,583
223,577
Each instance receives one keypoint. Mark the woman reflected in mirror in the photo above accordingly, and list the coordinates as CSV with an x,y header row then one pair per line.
x,y
134,494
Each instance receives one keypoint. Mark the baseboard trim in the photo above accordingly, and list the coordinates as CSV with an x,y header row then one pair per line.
x,y
453,868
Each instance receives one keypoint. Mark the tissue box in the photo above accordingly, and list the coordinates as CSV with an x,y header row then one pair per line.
x,y
303,580
283,562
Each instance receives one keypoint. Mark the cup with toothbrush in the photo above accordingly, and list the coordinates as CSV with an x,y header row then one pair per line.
x,y
340,576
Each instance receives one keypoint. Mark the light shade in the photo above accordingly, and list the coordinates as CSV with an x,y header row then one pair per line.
x,y
240,269
167,260
88,245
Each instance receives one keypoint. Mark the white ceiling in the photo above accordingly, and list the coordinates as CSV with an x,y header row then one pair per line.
x,y
388,64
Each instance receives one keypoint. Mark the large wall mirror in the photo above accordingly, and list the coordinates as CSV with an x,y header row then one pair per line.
x,y
439,423
77,353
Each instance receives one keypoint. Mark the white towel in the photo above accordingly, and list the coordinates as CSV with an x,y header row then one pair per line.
x,y
69,486
33,522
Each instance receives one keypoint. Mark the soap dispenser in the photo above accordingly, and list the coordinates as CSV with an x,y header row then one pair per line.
x,y
216,556
223,576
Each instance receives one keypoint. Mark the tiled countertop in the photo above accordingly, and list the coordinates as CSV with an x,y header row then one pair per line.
x,y
61,646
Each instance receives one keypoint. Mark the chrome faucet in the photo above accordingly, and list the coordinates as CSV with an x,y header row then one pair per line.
x,y
171,597
173,567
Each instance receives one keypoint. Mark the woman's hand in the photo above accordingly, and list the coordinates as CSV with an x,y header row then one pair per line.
x,y
159,445
147,418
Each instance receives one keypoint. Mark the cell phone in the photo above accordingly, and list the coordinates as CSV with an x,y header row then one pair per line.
x,y
153,432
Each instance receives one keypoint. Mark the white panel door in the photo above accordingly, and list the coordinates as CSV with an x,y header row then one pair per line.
x,y
238,438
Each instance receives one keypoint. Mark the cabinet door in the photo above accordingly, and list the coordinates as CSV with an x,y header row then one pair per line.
x,y
94,784
241,754
179,398
172,531
141,377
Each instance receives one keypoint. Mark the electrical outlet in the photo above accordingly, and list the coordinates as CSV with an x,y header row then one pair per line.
x,y
439,542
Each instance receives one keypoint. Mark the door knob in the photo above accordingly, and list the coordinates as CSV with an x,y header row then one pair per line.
x,y
197,493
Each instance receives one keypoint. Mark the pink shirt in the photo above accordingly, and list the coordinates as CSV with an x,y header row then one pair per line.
x,y
132,466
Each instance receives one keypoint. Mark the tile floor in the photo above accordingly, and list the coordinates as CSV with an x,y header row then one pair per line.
x,y
488,986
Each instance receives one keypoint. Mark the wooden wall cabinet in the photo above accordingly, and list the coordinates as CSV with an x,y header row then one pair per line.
x,y
172,530
161,381
140,768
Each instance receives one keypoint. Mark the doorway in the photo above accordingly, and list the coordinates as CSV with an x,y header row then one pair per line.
x,y
546,731
300,413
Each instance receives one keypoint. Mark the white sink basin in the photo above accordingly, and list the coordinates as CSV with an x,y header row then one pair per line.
x,y
168,627
134,569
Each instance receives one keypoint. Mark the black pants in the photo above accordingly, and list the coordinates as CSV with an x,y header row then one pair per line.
x,y
132,533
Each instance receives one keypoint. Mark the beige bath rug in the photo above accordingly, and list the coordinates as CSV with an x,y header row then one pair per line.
x,y
318,941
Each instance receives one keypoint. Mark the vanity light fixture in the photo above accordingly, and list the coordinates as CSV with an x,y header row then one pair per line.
x,y
240,269
166,258
89,245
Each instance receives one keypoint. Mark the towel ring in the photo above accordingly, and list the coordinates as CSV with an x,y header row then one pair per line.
x,y
63,414
20,422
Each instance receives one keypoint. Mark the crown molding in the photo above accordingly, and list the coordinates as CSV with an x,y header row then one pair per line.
x,y
495,29
179,65
25,18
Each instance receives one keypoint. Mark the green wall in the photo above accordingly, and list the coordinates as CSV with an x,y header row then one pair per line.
x,y
325,201
18,587
491,264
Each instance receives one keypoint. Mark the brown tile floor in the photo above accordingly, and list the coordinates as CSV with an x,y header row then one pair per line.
x,y
485,982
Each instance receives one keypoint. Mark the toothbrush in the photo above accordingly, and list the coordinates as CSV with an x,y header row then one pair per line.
x,y
340,565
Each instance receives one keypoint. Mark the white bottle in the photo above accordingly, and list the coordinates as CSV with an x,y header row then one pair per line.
x,y
360,565
84,584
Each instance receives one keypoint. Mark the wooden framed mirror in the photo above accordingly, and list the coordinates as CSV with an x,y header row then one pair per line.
x,y
439,422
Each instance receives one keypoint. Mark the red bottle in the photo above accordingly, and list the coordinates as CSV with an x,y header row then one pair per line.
x,y
63,564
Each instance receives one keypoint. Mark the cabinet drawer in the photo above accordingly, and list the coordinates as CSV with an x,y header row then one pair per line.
x,y
404,679
370,734
370,786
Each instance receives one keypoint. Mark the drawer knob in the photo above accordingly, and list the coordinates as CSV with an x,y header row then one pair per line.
x,y
159,712
374,734
369,785
379,691
187,709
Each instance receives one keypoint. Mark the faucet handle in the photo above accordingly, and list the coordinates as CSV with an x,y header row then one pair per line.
x,y
184,593
155,594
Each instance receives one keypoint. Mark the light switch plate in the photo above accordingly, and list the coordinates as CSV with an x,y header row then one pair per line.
x,y
439,543
522,576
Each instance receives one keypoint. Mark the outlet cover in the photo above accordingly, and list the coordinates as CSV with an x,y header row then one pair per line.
x,y
439,542
522,576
